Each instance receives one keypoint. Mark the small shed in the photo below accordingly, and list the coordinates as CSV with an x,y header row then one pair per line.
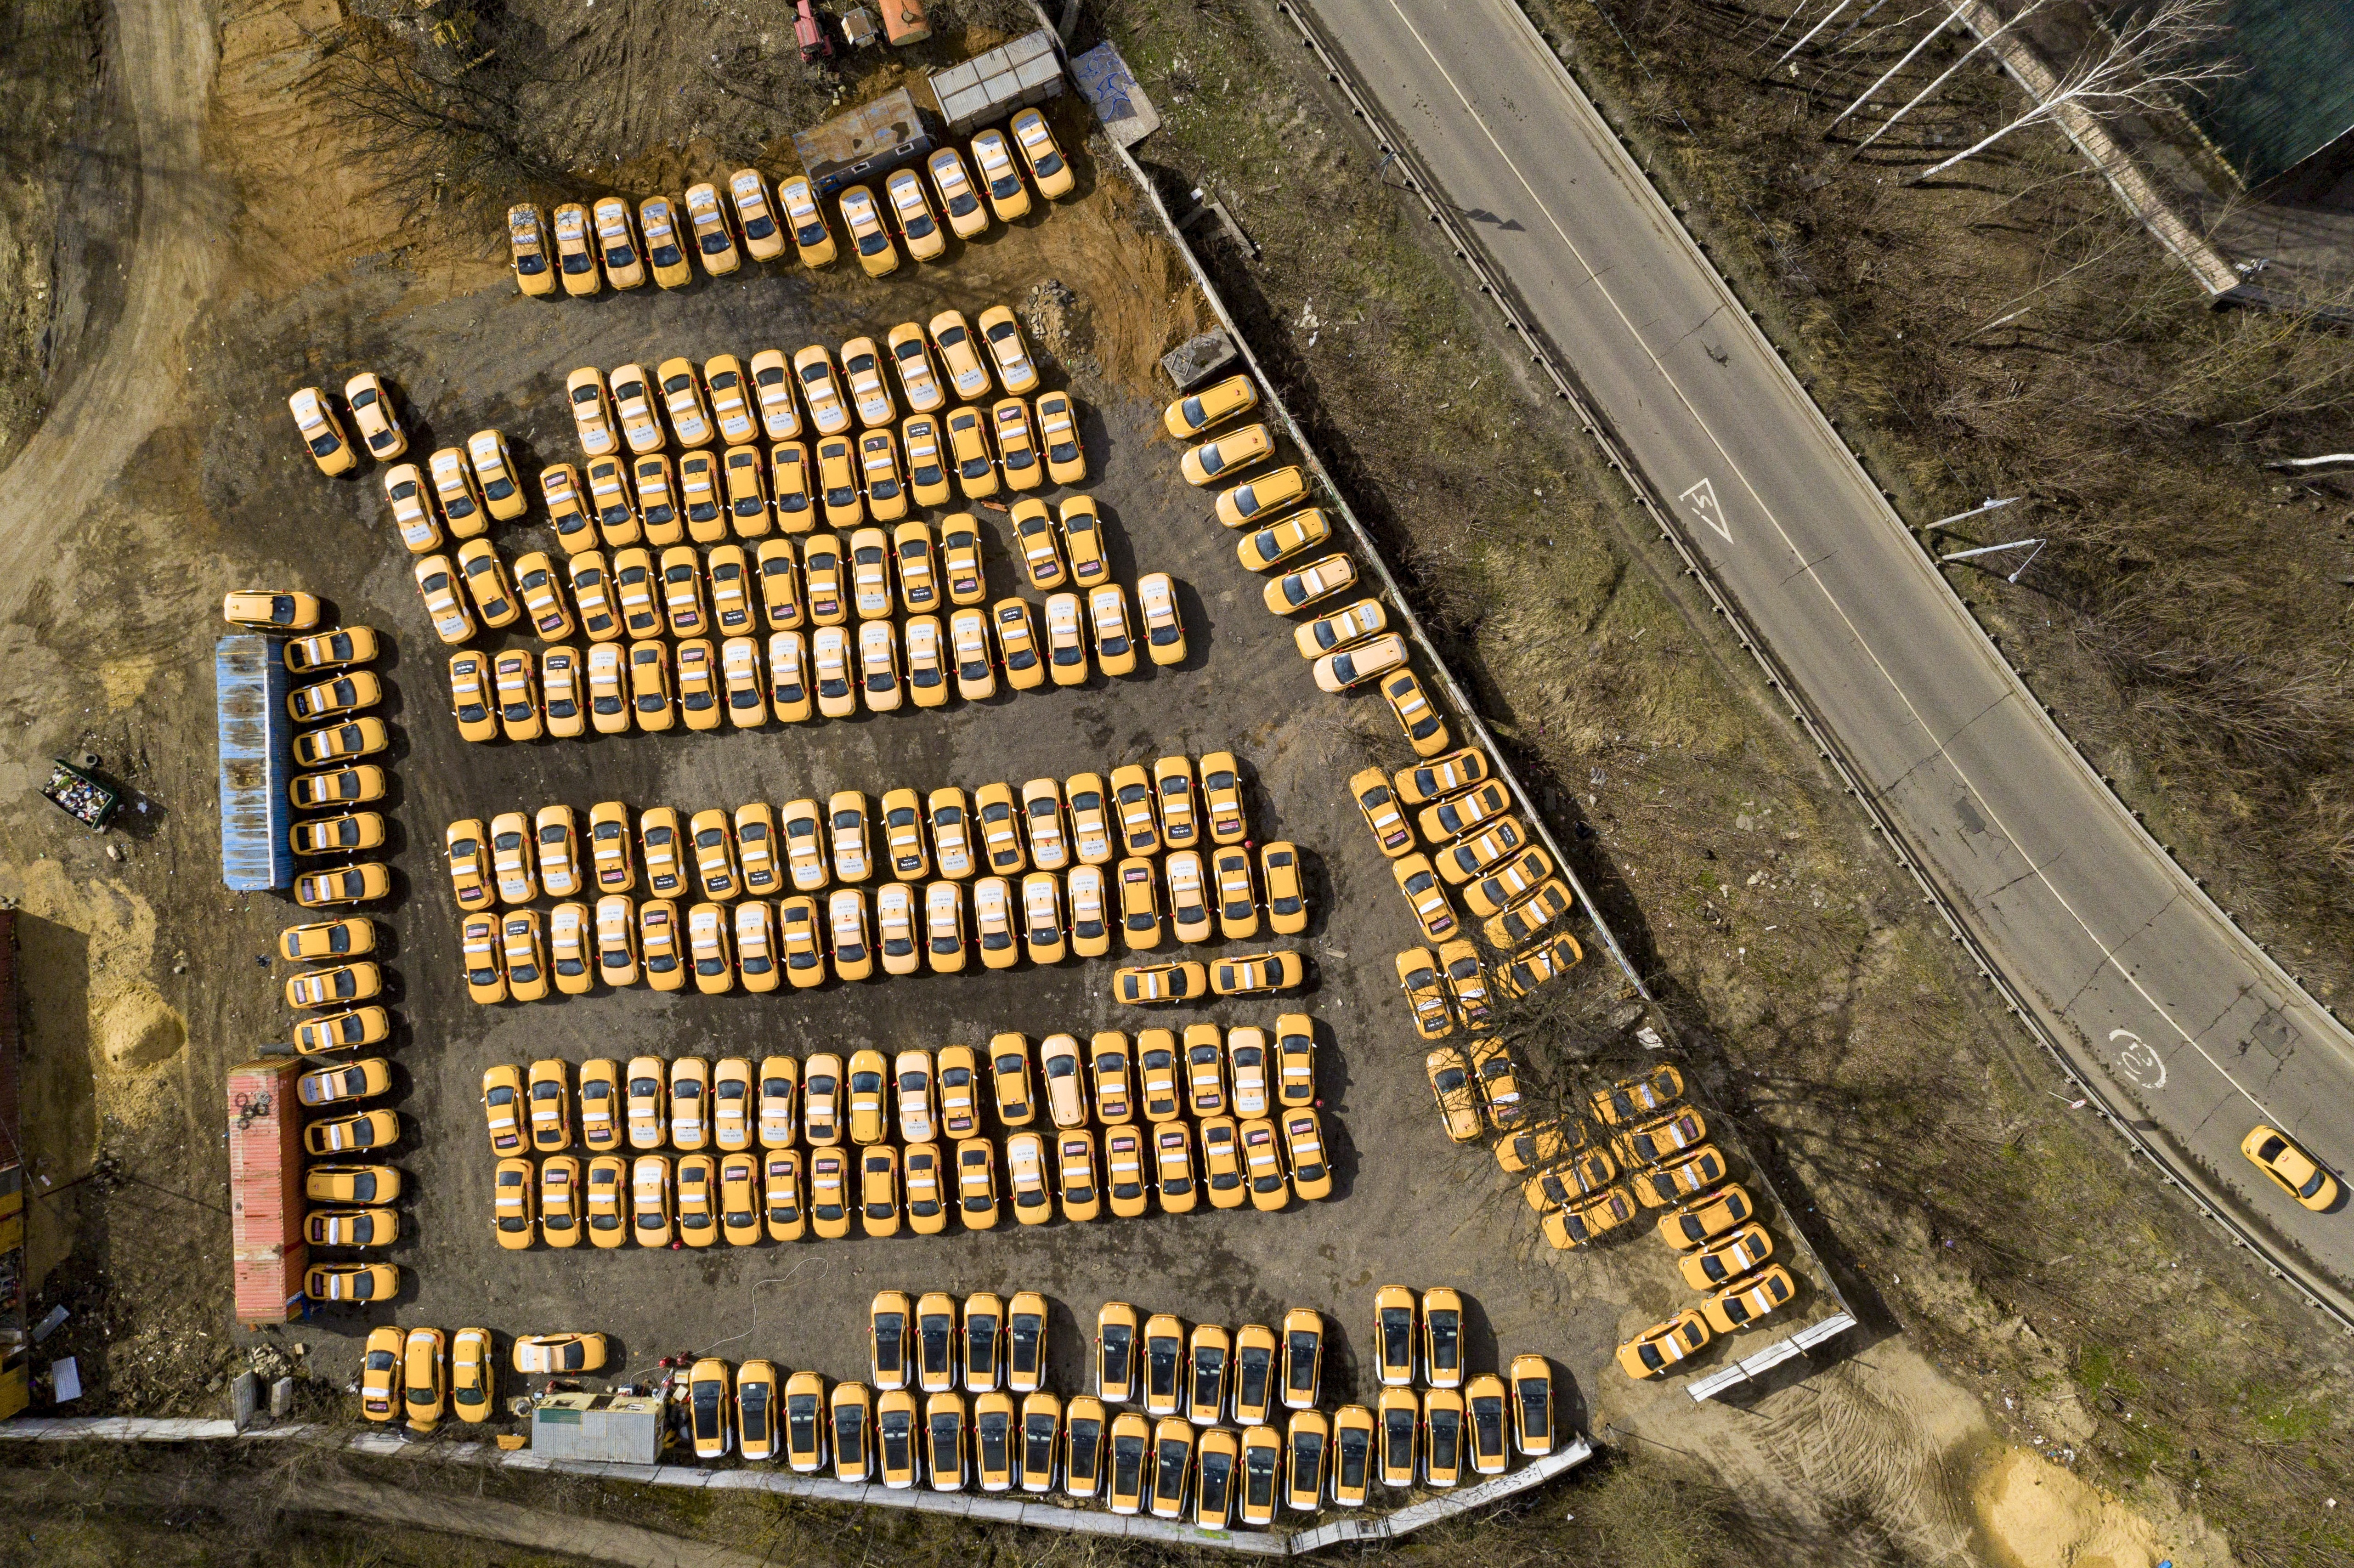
x,y
991,86
867,142
617,1428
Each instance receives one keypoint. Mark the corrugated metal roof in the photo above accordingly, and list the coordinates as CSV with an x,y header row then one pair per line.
x,y
257,760
2297,96
866,144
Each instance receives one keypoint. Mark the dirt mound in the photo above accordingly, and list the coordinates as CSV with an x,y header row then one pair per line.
x,y
2034,1514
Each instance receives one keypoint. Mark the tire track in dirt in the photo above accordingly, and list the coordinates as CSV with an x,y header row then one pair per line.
x,y
162,55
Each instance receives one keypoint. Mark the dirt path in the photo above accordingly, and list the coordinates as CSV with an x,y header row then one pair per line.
x,y
487,1521
115,1492
162,58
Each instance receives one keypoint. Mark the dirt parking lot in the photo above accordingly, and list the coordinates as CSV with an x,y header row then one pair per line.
x,y
1405,1206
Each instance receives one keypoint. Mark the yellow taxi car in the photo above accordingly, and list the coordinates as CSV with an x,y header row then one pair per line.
x,y
1008,197
784,1209
1303,586
1196,413
527,251
714,236
1222,458
812,239
1251,974
1058,435
1702,1219
958,199
764,240
968,453
1458,1101
373,413
1729,1257
1001,330
912,211
2289,1167
358,884
422,1387
658,222
696,1189
756,1409
345,834
512,1221
1425,731
322,432
380,1374
869,236
1533,966
708,1408
1035,539
1658,1348
1045,161
1303,1152
576,252
337,786
1671,1182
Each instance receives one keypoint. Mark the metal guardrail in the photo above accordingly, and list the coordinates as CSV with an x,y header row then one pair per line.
x,y
1070,1517
2319,1293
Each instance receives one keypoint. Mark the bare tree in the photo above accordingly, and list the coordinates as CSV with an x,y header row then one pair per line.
x,y
442,135
2161,49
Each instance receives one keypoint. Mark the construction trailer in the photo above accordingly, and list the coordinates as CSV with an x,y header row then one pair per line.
x,y
862,146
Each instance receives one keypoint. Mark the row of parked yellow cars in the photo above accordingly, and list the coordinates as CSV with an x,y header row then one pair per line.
x,y
833,669
418,1376
334,994
1466,810
689,1104
1205,1117
954,1398
1083,849
1662,1146
610,245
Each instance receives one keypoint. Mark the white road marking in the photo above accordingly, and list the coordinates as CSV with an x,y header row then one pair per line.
x,y
2138,1062
1702,499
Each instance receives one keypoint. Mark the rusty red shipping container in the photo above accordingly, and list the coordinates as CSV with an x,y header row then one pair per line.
x,y
265,1176
270,1284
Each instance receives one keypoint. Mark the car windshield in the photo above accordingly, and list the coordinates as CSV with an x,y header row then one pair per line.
x,y
1087,1436
1127,1464
849,1438
1446,1337
1299,1361
1488,1424
1117,1340
1209,1375
898,1431
1258,1468
1445,1435
1397,1336
1356,1444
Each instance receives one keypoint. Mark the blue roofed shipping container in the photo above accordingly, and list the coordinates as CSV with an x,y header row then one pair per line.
x,y
257,761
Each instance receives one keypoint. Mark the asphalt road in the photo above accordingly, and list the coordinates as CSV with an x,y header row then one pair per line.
x,y
2138,973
